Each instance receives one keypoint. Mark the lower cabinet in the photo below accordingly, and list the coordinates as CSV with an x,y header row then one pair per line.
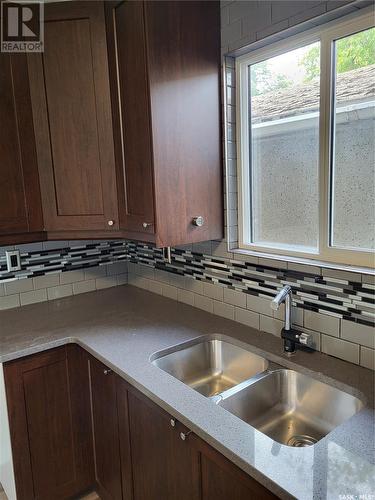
x,y
222,480
75,425
105,431
165,465
49,415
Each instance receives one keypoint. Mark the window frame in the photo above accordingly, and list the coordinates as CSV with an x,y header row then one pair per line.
x,y
326,35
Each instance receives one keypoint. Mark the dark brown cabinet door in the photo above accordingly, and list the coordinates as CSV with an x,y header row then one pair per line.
x,y
49,413
124,435
167,118
183,53
131,114
164,466
222,480
20,203
70,92
105,428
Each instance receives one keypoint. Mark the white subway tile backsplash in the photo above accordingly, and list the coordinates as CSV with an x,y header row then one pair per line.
x,y
57,292
234,297
246,317
29,286
133,279
315,336
30,247
271,325
258,17
117,268
271,30
18,286
224,310
46,281
274,263
231,31
307,14
51,245
213,291
95,272
155,287
162,276
367,358
204,303
177,280
9,301
33,297
368,279
259,304
84,286
322,323
193,285
355,332
106,282
297,315
342,275
303,268
169,291
340,348
220,249
122,279
185,296
72,277
202,247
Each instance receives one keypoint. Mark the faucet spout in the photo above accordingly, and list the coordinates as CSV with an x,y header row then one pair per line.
x,y
284,295
291,337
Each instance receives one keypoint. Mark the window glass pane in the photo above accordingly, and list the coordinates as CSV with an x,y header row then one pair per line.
x,y
284,149
352,172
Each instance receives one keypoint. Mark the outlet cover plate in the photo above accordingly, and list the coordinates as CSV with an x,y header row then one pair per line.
x,y
13,260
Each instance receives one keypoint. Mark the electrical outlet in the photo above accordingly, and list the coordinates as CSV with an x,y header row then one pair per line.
x,y
13,260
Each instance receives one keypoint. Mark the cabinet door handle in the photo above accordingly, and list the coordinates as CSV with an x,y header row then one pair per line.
x,y
184,435
107,371
173,422
198,221
146,224
111,222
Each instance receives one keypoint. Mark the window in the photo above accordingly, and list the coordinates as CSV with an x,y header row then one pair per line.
x,y
305,135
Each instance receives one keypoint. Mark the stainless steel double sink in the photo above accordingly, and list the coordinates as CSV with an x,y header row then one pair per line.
x,y
289,407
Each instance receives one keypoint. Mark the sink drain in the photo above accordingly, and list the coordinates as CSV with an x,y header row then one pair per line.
x,y
301,441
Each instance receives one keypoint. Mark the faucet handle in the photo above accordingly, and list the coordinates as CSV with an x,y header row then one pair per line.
x,y
305,339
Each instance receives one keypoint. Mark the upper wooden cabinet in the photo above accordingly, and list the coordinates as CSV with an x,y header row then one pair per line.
x,y
126,116
72,116
164,62
20,209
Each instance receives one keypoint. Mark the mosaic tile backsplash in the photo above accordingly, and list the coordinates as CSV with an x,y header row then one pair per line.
x,y
339,307
350,300
38,259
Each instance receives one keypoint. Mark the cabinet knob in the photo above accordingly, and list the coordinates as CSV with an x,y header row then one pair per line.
x,y
111,222
107,372
198,221
184,435
173,422
147,224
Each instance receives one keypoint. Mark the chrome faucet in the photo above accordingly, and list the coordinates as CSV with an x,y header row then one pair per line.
x,y
291,337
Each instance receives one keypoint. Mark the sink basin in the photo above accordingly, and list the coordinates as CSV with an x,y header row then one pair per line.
x,y
211,366
292,408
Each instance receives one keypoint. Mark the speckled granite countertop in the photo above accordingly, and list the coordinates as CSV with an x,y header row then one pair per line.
x,y
124,326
